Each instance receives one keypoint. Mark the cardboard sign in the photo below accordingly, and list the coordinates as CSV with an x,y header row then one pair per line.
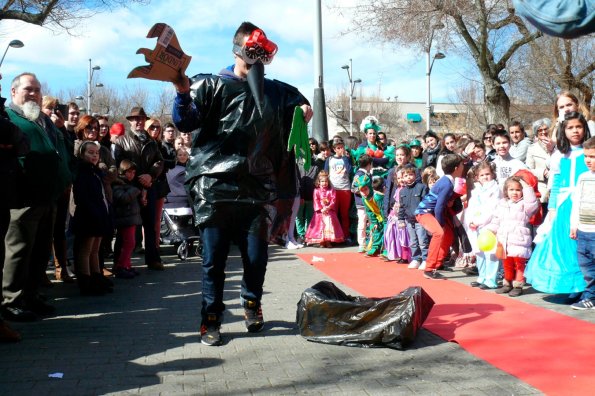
x,y
167,61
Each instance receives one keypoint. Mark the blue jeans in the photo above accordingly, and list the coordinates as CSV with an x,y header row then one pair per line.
x,y
246,225
418,241
586,261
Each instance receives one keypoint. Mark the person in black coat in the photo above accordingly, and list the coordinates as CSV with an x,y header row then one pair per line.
x,y
90,222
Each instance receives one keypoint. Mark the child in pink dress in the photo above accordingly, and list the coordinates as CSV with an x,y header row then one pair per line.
x,y
396,239
324,228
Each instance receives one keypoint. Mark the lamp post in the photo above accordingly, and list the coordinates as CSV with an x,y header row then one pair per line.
x,y
13,44
429,64
92,70
352,83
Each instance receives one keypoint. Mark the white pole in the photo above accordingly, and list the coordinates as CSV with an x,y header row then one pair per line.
x,y
89,89
428,92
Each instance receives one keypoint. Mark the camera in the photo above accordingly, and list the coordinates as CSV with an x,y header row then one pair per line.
x,y
63,109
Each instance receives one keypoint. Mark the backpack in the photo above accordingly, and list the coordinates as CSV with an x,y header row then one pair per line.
x,y
532,181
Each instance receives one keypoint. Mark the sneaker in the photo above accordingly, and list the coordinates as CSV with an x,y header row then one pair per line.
x,y
123,273
253,317
422,266
210,334
583,305
414,264
515,292
435,275
291,245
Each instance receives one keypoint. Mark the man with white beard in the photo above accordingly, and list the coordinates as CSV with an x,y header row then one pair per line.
x,y
46,176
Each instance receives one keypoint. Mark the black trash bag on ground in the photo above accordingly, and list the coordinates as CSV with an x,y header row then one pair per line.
x,y
326,314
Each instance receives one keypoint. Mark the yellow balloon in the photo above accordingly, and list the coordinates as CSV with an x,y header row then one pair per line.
x,y
486,241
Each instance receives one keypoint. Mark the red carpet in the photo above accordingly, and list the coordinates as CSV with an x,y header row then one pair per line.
x,y
550,351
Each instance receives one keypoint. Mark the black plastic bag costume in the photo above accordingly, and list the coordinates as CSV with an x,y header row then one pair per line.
x,y
326,314
238,155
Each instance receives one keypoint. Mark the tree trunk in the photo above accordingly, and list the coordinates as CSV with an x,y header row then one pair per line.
x,y
496,101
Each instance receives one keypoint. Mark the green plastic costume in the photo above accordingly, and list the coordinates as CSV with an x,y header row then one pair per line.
x,y
298,138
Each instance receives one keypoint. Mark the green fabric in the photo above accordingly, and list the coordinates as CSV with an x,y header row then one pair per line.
x,y
46,166
304,215
298,138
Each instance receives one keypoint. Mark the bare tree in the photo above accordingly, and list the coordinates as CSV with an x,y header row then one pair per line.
x,y
486,30
61,14
550,64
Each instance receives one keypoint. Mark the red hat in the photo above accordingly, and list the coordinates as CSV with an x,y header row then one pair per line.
x,y
117,129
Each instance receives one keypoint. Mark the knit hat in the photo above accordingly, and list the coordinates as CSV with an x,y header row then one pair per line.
x,y
117,129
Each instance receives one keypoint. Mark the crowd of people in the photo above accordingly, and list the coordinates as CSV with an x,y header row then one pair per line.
x,y
430,202
77,187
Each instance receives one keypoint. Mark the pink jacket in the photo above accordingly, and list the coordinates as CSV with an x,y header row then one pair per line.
x,y
511,224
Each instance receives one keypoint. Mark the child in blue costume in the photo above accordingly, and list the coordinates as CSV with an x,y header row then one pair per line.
x,y
553,267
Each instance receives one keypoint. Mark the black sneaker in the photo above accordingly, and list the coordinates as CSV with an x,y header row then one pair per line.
x,y
433,275
210,334
253,317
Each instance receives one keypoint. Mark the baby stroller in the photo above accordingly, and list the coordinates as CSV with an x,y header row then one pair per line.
x,y
177,220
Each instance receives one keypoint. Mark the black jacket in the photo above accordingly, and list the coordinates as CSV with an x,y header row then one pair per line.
x,y
14,144
92,215
409,198
143,151
238,155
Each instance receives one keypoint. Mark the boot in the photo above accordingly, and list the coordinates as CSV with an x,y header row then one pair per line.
x,y
506,287
517,289
7,334
87,287
102,283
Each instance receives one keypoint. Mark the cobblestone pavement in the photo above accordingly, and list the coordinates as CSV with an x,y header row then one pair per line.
x,y
144,339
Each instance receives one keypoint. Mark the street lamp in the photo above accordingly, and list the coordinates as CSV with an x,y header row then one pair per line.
x,y
352,83
429,65
13,44
92,70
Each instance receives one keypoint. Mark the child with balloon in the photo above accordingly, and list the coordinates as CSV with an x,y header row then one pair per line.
x,y
513,231
478,215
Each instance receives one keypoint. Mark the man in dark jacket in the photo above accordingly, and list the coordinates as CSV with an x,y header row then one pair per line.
x,y
13,144
239,166
46,177
137,146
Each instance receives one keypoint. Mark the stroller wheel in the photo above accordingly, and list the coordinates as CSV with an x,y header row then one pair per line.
x,y
183,251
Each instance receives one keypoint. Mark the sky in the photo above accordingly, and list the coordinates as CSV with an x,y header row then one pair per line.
x,y
205,30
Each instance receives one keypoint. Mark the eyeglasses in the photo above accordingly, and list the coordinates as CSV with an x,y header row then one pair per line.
x,y
542,131
91,128
155,127
103,126
487,138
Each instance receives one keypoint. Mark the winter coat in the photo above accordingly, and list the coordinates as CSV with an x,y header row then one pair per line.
x,y
126,203
481,209
511,224
92,217
46,165
409,198
177,196
15,144
143,151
